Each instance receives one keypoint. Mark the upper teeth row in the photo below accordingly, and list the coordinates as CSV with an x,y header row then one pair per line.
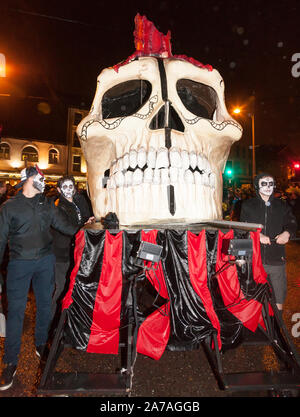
x,y
170,175
160,167
163,158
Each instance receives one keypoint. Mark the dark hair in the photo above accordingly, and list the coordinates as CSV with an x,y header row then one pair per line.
x,y
31,171
65,178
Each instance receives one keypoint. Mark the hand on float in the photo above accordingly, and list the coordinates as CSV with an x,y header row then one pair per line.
x,y
90,220
283,238
264,239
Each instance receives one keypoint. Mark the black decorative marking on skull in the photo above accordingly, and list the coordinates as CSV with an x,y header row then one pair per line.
x,y
156,142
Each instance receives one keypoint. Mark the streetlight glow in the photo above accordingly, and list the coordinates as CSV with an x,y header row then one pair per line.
x,y
237,110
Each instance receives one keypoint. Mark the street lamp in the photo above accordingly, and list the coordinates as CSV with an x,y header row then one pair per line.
x,y
238,111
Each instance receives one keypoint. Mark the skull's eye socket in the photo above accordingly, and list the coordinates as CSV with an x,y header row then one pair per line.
x,y
125,99
198,98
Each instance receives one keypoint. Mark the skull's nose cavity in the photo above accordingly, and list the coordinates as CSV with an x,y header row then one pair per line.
x,y
167,117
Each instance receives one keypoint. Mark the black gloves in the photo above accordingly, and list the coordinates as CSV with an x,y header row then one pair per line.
x,y
110,221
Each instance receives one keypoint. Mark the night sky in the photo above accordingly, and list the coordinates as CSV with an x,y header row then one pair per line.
x,y
56,49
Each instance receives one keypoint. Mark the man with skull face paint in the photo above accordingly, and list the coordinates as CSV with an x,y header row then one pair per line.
x,y
279,224
25,222
77,209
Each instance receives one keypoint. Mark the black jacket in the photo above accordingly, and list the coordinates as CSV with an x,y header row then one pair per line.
x,y
79,212
276,218
25,223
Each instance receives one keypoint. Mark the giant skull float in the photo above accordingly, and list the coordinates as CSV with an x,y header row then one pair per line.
x,y
158,136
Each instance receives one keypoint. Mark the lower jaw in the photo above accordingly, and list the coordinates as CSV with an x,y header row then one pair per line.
x,y
147,204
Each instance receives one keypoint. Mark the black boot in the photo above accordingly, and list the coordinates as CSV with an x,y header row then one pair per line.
x,y
7,377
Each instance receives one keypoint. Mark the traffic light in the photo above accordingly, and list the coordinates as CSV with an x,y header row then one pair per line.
x,y
229,170
296,166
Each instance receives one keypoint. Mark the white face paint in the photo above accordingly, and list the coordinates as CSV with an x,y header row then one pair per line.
x,y
266,186
68,189
39,183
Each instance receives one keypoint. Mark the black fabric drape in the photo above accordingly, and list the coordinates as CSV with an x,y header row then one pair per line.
x,y
190,323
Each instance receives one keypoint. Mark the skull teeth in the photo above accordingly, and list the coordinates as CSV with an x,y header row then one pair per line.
x,y
162,158
161,167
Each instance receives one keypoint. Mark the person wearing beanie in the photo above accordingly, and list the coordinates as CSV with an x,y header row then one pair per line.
x,y
279,225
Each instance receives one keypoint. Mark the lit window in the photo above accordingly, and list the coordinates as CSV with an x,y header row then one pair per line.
x,y
4,151
76,163
30,154
53,156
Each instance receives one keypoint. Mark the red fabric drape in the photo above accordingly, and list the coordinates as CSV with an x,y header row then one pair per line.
x,y
198,276
259,273
248,312
154,332
78,251
104,336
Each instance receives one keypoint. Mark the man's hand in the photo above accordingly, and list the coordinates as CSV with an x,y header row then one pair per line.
x,y
283,238
90,220
264,239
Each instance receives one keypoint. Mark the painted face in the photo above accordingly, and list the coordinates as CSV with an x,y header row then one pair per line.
x,y
39,183
266,185
68,189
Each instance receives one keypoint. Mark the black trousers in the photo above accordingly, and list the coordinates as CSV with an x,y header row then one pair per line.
x,y
61,275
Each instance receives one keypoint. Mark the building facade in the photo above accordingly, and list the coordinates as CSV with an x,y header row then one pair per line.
x,y
54,159
76,163
240,161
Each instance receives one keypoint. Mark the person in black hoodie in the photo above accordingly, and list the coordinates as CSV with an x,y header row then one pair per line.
x,y
25,223
75,206
279,225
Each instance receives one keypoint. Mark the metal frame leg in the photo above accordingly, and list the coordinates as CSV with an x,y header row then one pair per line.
x,y
55,351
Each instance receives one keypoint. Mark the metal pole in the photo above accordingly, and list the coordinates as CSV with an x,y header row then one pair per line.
x,y
253,147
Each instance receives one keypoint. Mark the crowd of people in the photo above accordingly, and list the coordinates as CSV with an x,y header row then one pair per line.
x,y
234,197
38,223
